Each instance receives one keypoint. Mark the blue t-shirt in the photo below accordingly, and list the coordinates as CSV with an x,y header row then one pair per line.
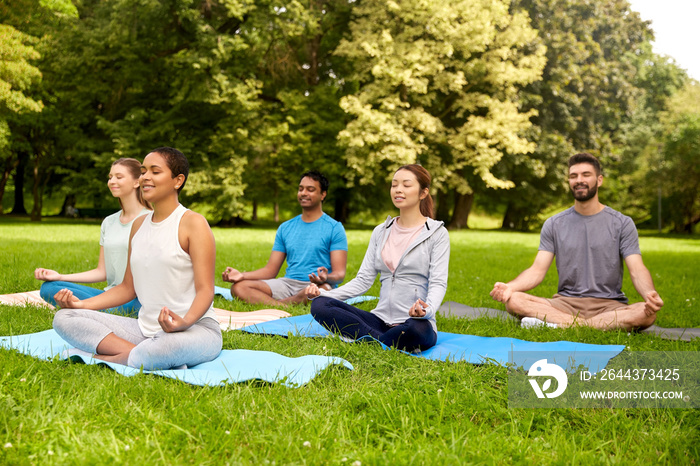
x,y
308,246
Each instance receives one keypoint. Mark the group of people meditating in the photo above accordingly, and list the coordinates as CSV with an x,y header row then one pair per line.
x,y
158,259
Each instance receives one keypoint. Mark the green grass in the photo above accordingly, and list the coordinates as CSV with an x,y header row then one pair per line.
x,y
392,409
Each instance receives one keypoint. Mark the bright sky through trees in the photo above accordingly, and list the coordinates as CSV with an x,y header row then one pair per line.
x,y
675,28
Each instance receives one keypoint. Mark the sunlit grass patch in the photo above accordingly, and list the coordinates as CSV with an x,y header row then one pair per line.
x,y
392,409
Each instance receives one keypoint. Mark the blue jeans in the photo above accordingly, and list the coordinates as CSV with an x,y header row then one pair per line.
x,y
49,289
339,317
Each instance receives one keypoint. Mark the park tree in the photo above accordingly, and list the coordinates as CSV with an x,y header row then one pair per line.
x,y
191,89
128,76
257,92
31,25
630,164
677,172
438,84
248,91
301,85
584,102
17,76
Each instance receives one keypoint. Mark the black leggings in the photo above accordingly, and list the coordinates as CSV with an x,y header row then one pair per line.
x,y
349,321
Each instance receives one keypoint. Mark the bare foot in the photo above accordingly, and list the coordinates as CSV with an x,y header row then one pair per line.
x,y
299,298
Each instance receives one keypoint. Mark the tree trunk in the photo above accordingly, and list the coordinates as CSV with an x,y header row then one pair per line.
x,y
18,208
342,205
509,219
312,76
515,219
463,206
443,207
10,165
255,210
68,207
276,207
688,227
37,190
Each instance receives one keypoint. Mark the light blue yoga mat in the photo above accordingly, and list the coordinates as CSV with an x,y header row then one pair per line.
x,y
360,299
226,294
232,366
469,348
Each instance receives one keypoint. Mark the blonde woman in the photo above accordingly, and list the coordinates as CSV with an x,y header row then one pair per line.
x,y
123,182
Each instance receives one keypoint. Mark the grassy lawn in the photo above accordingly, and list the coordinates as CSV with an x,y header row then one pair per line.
x,y
392,409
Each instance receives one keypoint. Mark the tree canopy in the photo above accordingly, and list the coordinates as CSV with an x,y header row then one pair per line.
x,y
492,96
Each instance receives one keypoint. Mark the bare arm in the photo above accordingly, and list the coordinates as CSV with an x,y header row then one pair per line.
x,y
197,239
271,269
116,296
643,283
527,280
95,275
339,260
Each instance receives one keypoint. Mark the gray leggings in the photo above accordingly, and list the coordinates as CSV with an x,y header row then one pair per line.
x,y
85,329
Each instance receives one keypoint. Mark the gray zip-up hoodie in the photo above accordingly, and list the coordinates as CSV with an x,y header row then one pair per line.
x,y
420,273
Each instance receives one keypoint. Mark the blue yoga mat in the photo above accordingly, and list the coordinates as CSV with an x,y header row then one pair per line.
x,y
226,294
360,299
231,366
470,348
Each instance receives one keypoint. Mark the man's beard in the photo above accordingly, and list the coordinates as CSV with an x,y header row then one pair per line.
x,y
584,196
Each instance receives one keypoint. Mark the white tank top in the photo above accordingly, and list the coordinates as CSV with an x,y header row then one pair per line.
x,y
162,271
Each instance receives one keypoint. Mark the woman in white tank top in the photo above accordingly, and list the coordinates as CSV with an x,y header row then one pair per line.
x,y
171,272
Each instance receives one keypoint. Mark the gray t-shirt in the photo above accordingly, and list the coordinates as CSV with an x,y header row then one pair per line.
x,y
590,251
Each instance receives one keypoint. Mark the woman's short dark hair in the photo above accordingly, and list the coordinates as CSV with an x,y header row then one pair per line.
x,y
177,162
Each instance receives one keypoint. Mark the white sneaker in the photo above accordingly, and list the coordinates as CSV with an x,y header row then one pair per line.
x,y
531,322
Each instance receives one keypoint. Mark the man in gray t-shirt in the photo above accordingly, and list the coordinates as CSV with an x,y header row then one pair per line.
x,y
590,242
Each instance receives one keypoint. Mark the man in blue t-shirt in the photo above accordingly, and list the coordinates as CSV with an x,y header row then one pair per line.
x,y
590,241
313,244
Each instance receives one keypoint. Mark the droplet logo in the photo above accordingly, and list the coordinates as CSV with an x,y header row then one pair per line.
x,y
542,368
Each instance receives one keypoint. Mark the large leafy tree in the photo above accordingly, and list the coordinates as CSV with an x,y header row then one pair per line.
x,y
636,157
438,84
590,90
128,76
301,84
257,92
677,171
17,76
247,91
26,26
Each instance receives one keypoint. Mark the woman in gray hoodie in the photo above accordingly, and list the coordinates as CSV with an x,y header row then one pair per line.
x,y
411,254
